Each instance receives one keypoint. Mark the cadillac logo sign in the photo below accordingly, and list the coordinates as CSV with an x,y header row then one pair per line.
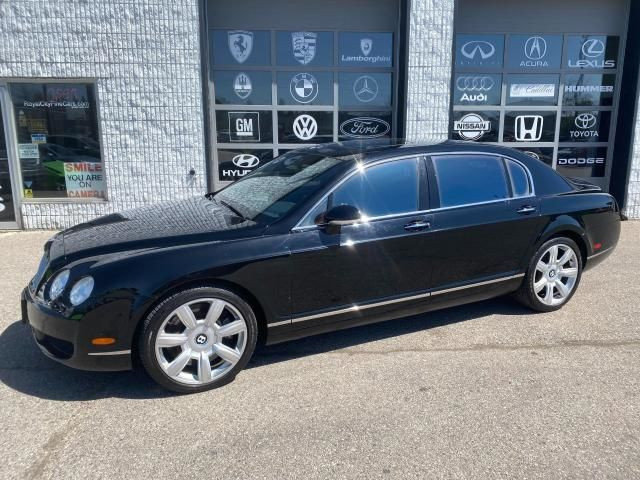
x,y
240,44
365,127
304,46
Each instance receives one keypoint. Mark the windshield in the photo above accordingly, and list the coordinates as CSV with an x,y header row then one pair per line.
x,y
273,190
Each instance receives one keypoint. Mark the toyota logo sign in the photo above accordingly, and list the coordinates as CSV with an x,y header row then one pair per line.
x,y
245,160
585,121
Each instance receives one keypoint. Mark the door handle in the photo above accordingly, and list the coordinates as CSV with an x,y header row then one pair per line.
x,y
417,225
526,209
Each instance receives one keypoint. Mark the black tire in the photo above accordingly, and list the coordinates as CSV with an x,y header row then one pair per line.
x,y
526,294
153,322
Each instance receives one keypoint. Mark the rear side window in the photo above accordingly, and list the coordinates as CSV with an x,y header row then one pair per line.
x,y
464,179
386,189
519,179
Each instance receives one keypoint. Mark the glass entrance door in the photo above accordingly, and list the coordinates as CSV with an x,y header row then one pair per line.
x,y
7,204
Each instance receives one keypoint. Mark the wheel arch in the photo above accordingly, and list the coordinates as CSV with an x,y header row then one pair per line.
x,y
170,290
566,226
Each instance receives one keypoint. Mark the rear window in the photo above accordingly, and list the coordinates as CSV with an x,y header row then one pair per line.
x,y
465,179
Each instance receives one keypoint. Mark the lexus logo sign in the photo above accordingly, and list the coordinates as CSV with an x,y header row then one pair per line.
x,y
245,160
593,47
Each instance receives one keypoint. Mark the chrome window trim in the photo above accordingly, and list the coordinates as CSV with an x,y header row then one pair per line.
x,y
532,192
356,308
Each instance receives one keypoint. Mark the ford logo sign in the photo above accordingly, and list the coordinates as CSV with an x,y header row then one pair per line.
x,y
245,160
364,127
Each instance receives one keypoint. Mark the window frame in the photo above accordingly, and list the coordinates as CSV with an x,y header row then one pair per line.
x,y
435,187
421,178
12,135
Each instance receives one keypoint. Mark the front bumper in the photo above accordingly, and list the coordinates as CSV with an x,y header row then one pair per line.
x,y
67,339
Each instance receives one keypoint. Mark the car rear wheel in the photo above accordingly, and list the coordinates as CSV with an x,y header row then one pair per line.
x,y
198,339
553,275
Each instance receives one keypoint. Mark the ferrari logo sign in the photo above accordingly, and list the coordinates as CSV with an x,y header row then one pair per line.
x,y
304,46
240,44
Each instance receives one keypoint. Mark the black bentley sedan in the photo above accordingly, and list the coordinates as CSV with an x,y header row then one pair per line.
x,y
318,239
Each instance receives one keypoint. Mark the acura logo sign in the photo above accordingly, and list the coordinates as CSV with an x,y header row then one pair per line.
x,y
592,48
245,160
535,48
585,121
478,48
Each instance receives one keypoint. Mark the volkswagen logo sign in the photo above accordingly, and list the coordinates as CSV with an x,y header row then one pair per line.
x,y
476,48
245,160
593,47
585,121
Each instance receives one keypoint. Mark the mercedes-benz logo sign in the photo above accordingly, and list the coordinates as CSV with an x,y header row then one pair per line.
x,y
245,160
478,47
535,48
469,83
593,47
585,121
201,339
365,88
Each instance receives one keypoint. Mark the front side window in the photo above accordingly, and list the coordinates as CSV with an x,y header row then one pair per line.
x,y
58,141
386,189
466,179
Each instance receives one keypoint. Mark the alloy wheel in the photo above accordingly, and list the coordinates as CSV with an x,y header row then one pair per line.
x,y
201,341
556,274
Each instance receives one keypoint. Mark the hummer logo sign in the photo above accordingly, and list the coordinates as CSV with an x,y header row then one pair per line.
x,y
304,46
240,44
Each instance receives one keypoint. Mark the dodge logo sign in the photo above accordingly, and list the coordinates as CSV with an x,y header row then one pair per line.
x,y
245,160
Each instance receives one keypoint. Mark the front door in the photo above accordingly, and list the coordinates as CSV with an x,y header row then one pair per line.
x,y
8,218
379,261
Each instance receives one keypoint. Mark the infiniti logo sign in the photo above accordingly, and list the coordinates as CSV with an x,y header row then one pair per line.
x,y
478,48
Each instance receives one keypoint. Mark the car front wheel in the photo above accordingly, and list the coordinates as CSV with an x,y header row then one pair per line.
x,y
553,275
198,339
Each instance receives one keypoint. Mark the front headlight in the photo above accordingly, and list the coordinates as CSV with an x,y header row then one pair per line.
x,y
81,291
58,284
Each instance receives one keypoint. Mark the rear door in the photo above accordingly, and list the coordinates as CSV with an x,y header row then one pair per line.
x,y
384,257
487,217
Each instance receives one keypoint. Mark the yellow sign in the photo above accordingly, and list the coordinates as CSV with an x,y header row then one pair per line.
x,y
28,193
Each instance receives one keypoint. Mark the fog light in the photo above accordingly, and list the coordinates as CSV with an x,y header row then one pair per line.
x,y
81,291
58,284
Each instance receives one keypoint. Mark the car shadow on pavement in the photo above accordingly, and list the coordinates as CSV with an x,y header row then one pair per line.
x,y
25,369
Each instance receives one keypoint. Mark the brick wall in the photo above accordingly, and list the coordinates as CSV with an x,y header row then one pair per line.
x,y
429,69
632,209
145,58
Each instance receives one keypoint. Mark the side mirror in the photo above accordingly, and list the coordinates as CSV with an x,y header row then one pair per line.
x,y
342,215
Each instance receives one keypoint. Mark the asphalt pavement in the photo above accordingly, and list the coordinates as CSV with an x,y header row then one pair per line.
x,y
488,390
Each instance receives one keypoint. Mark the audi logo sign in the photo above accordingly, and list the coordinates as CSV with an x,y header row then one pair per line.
x,y
245,160
470,83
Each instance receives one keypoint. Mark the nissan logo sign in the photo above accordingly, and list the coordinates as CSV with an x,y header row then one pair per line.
x,y
245,160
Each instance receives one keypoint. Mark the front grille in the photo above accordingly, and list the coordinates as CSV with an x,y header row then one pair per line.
x,y
55,346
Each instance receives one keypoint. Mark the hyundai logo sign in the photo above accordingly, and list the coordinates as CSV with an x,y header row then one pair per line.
x,y
245,160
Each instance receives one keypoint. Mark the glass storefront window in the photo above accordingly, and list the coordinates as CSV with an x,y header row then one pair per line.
x,y
58,141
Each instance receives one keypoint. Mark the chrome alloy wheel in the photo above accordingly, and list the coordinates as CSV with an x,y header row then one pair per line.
x,y
200,341
556,274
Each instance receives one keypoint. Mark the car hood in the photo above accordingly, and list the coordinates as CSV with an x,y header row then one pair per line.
x,y
167,224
